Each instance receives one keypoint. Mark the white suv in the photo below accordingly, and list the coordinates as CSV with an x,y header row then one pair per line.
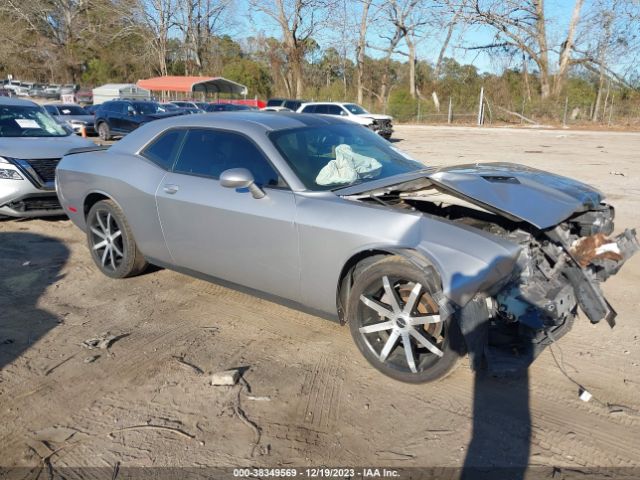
x,y
31,145
381,124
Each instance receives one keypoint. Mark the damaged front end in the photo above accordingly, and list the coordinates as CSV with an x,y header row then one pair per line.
x,y
560,268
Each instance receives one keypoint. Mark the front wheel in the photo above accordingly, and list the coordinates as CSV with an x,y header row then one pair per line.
x,y
111,242
395,322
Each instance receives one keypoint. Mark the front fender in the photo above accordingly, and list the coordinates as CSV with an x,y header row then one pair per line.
x,y
469,260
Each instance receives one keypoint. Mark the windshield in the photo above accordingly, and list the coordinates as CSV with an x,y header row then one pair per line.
x,y
72,110
146,108
27,121
337,156
355,109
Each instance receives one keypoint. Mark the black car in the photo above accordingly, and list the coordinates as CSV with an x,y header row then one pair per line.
x,y
226,107
119,117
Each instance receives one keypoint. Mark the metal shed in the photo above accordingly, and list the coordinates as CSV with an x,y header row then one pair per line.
x,y
111,91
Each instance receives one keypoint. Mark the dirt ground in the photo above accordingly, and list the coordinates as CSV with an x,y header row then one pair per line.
x,y
147,399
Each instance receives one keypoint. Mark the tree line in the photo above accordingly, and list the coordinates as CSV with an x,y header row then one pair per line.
x,y
398,55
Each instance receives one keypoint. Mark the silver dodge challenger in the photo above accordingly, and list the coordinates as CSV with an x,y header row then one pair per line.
x,y
424,265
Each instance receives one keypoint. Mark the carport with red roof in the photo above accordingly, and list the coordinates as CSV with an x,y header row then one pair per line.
x,y
205,86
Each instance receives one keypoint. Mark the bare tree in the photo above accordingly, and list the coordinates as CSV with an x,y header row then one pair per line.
x,y
519,25
566,49
408,18
158,17
610,35
360,48
58,23
447,14
298,21
199,20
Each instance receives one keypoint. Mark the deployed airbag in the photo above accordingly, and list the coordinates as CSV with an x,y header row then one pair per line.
x,y
348,167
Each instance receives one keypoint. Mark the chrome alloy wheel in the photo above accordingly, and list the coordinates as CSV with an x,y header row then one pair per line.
x,y
400,313
106,239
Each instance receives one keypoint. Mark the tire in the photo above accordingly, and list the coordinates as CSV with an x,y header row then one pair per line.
x,y
434,344
104,132
111,242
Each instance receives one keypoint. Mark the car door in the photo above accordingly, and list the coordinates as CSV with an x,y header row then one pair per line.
x,y
334,110
130,117
114,115
224,232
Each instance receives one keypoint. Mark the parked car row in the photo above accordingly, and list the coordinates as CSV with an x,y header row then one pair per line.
x,y
74,116
47,91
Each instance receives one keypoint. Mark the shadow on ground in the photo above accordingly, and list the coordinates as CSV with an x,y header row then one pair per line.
x,y
29,264
501,439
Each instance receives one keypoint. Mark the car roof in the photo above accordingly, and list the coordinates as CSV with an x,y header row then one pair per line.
x,y
17,102
241,121
323,103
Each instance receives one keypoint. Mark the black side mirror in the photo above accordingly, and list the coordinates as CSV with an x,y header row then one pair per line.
x,y
241,178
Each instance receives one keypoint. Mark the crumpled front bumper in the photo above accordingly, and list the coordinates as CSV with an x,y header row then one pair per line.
x,y
595,258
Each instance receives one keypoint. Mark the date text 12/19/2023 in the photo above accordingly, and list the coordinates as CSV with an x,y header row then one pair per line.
x,y
318,472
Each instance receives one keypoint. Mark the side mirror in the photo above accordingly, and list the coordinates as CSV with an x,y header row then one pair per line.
x,y
241,178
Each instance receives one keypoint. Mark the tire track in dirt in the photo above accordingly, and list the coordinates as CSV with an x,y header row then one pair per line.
x,y
321,394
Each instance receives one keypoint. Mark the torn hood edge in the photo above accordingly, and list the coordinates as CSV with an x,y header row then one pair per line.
x,y
515,191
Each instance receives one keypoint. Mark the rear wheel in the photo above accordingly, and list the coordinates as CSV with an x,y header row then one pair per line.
x,y
111,242
395,322
104,132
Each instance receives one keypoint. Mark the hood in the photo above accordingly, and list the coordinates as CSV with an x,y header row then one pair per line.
x,y
88,119
376,116
540,198
27,148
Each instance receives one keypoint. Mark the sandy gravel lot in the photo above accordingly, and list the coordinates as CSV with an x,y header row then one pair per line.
x,y
146,400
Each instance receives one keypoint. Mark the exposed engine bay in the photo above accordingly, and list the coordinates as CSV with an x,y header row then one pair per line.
x,y
558,269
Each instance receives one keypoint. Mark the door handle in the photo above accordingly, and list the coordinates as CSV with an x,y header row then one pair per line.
x,y
170,188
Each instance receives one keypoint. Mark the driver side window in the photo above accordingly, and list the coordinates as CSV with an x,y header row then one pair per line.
x,y
208,153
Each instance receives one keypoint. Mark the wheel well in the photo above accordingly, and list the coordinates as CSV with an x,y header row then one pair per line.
x,y
91,200
345,281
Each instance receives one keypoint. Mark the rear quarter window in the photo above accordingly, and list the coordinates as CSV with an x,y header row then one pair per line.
x,y
163,150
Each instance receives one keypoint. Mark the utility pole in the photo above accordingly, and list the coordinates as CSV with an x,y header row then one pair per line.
x,y
480,107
